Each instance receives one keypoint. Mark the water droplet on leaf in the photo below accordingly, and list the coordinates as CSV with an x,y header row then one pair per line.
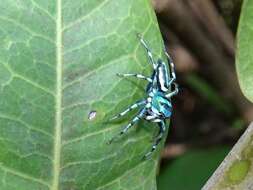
x,y
92,115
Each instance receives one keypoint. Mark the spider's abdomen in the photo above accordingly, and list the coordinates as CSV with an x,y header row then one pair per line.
x,y
161,105
162,76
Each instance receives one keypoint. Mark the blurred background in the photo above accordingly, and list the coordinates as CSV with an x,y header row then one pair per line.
x,y
210,112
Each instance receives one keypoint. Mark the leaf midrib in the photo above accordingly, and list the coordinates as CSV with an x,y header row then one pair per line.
x,y
58,99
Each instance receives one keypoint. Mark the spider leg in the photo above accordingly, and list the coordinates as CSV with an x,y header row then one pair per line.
x,y
135,75
133,106
129,125
174,92
150,55
172,67
158,138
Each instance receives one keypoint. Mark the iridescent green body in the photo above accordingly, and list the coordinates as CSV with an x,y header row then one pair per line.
x,y
160,104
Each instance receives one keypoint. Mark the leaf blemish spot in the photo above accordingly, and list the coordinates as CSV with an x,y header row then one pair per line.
x,y
92,115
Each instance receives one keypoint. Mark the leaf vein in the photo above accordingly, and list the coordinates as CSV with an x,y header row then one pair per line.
x,y
23,175
33,83
43,10
120,176
94,161
78,21
83,137
96,69
58,99
26,29
28,126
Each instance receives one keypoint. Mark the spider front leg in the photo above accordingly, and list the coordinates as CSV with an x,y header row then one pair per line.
x,y
150,55
172,67
135,75
129,125
133,106
174,92
162,129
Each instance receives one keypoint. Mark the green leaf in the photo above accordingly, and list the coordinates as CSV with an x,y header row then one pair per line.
x,y
191,170
244,58
58,63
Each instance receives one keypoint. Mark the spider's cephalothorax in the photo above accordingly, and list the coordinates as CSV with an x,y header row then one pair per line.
x,y
156,107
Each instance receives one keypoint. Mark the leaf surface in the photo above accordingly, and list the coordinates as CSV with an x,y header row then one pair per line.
x,y
244,57
58,63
